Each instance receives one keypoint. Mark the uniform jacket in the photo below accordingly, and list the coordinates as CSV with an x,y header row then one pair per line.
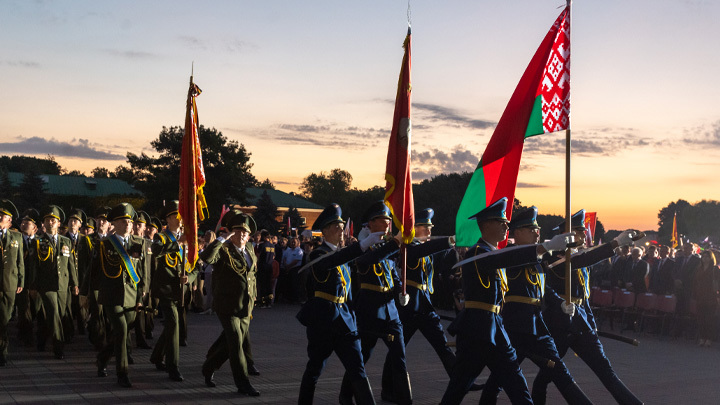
x,y
375,309
82,256
165,280
527,282
116,285
12,266
92,281
52,264
421,270
482,281
330,275
584,319
233,278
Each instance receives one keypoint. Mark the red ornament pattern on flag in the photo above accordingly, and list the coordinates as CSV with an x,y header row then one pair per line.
x,y
555,84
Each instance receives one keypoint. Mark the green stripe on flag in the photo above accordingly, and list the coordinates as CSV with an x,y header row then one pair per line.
x,y
475,199
535,123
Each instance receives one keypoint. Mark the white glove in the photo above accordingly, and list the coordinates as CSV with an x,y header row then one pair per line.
x,y
403,299
371,239
625,237
568,309
559,242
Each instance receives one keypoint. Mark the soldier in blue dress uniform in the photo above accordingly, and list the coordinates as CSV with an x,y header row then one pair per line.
x,y
330,322
522,316
375,305
481,336
579,332
419,314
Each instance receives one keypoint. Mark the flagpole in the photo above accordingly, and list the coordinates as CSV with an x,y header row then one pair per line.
x,y
568,224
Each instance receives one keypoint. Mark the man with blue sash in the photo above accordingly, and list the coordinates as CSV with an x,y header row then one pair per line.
x,y
121,257
54,272
330,322
579,332
12,271
168,285
522,316
481,337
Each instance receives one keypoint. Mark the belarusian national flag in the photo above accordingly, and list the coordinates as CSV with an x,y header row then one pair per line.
x,y
539,105
398,190
192,176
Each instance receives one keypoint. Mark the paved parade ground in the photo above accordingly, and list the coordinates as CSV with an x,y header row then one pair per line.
x,y
658,371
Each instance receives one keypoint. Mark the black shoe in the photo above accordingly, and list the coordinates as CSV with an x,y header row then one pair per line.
x,y
253,371
209,379
102,371
183,342
124,381
477,387
130,359
247,389
175,375
59,355
159,366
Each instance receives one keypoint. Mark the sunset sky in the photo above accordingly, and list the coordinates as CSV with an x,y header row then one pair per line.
x,y
309,86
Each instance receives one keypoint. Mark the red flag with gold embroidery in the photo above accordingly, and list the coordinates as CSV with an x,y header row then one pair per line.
x,y
192,177
590,221
398,190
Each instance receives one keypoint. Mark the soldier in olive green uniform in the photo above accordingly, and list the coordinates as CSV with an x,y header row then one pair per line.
x,y
168,281
121,257
27,305
97,323
82,256
12,271
54,273
234,291
141,320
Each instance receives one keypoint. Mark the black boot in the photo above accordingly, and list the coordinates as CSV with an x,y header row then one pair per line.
x,y
402,391
386,389
574,395
246,388
307,391
362,392
623,395
346,391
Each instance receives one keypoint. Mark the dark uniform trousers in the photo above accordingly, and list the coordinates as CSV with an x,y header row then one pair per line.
x,y
7,301
54,306
120,319
168,344
481,336
25,317
578,332
229,346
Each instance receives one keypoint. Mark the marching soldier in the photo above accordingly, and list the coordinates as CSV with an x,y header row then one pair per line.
x,y
234,288
120,258
330,322
481,337
54,272
579,332
377,313
97,323
168,285
419,314
522,316
82,256
28,305
143,318
13,271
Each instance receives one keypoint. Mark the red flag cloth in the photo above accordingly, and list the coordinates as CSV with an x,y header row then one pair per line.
x,y
398,190
590,221
192,177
